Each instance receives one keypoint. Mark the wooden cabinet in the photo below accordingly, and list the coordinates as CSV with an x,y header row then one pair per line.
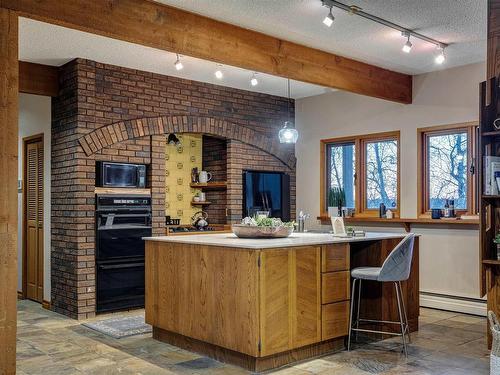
x,y
335,320
290,299
335,257
335,286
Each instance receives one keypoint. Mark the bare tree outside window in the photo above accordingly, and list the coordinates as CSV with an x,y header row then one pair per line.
x,y
447,158
341,170
382,174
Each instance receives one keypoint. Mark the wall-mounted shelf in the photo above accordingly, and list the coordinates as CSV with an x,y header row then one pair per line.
x,y
491,262
216,185
405,222
204,203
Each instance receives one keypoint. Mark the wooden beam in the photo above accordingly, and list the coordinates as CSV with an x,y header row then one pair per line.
x,y
38,79
8,188
160,26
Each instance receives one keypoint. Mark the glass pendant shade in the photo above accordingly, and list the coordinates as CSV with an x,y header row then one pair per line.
x,y
287,134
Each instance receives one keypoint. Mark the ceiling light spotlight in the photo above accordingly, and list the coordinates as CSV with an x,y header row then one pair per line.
x,y
254,81
328,20
218,73
407,46
178,64
440,57
173,140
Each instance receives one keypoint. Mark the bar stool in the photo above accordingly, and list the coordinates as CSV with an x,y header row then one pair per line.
x,y
396,268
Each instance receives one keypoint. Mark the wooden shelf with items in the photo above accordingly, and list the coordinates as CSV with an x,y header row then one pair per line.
x,y
216,185
406,222
200,203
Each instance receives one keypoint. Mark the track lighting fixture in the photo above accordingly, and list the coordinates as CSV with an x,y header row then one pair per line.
x,y
288,134
407,33
218,73
440,57
173,140
328,20
253,80
178,64
407,46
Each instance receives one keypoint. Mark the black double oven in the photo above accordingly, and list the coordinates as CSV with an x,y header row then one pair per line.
x,y
121,223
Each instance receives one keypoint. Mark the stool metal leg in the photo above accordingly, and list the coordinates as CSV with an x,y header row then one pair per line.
x,y
404,311
403,330
359,304
351,315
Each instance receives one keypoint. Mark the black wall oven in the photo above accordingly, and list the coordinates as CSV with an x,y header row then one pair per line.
x,y
122,175
121,222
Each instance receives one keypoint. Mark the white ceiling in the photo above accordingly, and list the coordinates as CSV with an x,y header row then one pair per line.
x,y
48,44
461,23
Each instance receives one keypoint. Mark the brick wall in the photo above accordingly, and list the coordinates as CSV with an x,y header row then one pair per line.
x,y
111,113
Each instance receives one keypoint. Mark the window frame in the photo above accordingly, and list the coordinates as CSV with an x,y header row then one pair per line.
x,y
360,142
423,135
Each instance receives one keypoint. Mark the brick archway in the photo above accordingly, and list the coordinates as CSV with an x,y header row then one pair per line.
x,y
130,129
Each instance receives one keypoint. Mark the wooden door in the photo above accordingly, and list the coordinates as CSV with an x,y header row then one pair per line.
x,y
33,213
290,299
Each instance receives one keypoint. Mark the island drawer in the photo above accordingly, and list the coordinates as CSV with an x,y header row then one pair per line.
x,y
334,320
335,286
335,257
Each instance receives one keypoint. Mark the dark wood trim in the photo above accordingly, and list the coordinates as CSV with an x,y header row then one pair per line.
x,y
38,79
26,140
20,294
423,209
255,364
171,29
9,118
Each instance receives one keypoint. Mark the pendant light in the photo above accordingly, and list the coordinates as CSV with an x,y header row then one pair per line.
x,y
288,134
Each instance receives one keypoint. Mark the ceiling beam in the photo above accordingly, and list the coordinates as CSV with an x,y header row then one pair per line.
x,y
171,29
38,79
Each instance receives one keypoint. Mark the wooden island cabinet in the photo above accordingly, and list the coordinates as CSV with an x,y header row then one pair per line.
x,y
259,304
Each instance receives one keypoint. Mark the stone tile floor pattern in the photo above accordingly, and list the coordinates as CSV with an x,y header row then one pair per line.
x,y
49,344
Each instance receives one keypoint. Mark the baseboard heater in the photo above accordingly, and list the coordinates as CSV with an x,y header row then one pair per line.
x,y
474,306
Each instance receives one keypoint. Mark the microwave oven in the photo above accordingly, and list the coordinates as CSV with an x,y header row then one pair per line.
x,y
122,175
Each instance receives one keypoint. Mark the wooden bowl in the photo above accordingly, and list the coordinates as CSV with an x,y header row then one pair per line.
x,y
250,231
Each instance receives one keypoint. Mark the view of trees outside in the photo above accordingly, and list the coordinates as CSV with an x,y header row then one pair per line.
x,y
381,173
447,158
342,166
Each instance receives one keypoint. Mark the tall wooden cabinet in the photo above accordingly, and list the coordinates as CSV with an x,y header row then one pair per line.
x,y
489,144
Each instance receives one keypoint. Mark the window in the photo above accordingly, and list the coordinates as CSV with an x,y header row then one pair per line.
x,y
381,174
374,158
342,166
446,167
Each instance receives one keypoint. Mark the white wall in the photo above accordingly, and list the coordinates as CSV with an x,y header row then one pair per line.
x,y
35,118
448,257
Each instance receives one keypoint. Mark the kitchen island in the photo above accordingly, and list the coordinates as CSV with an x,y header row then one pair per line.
x,y
264,303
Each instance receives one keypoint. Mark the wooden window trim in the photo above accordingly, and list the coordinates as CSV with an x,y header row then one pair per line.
x,y
360,180
422,166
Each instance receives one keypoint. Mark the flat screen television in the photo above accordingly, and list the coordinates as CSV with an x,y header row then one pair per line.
x,y
266,191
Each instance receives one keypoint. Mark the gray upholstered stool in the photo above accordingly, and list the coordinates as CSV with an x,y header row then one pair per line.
x,y
396,268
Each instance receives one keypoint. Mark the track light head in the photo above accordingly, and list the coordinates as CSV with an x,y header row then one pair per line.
x,y
408,45
218,73
328,20
253,80
440,57
178,64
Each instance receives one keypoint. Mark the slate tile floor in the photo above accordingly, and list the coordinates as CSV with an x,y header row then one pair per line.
x,y
50,344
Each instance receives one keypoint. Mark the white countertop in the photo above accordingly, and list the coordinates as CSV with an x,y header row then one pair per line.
x,y
296,239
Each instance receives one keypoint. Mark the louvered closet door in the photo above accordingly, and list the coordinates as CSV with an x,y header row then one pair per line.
x,y
34,221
